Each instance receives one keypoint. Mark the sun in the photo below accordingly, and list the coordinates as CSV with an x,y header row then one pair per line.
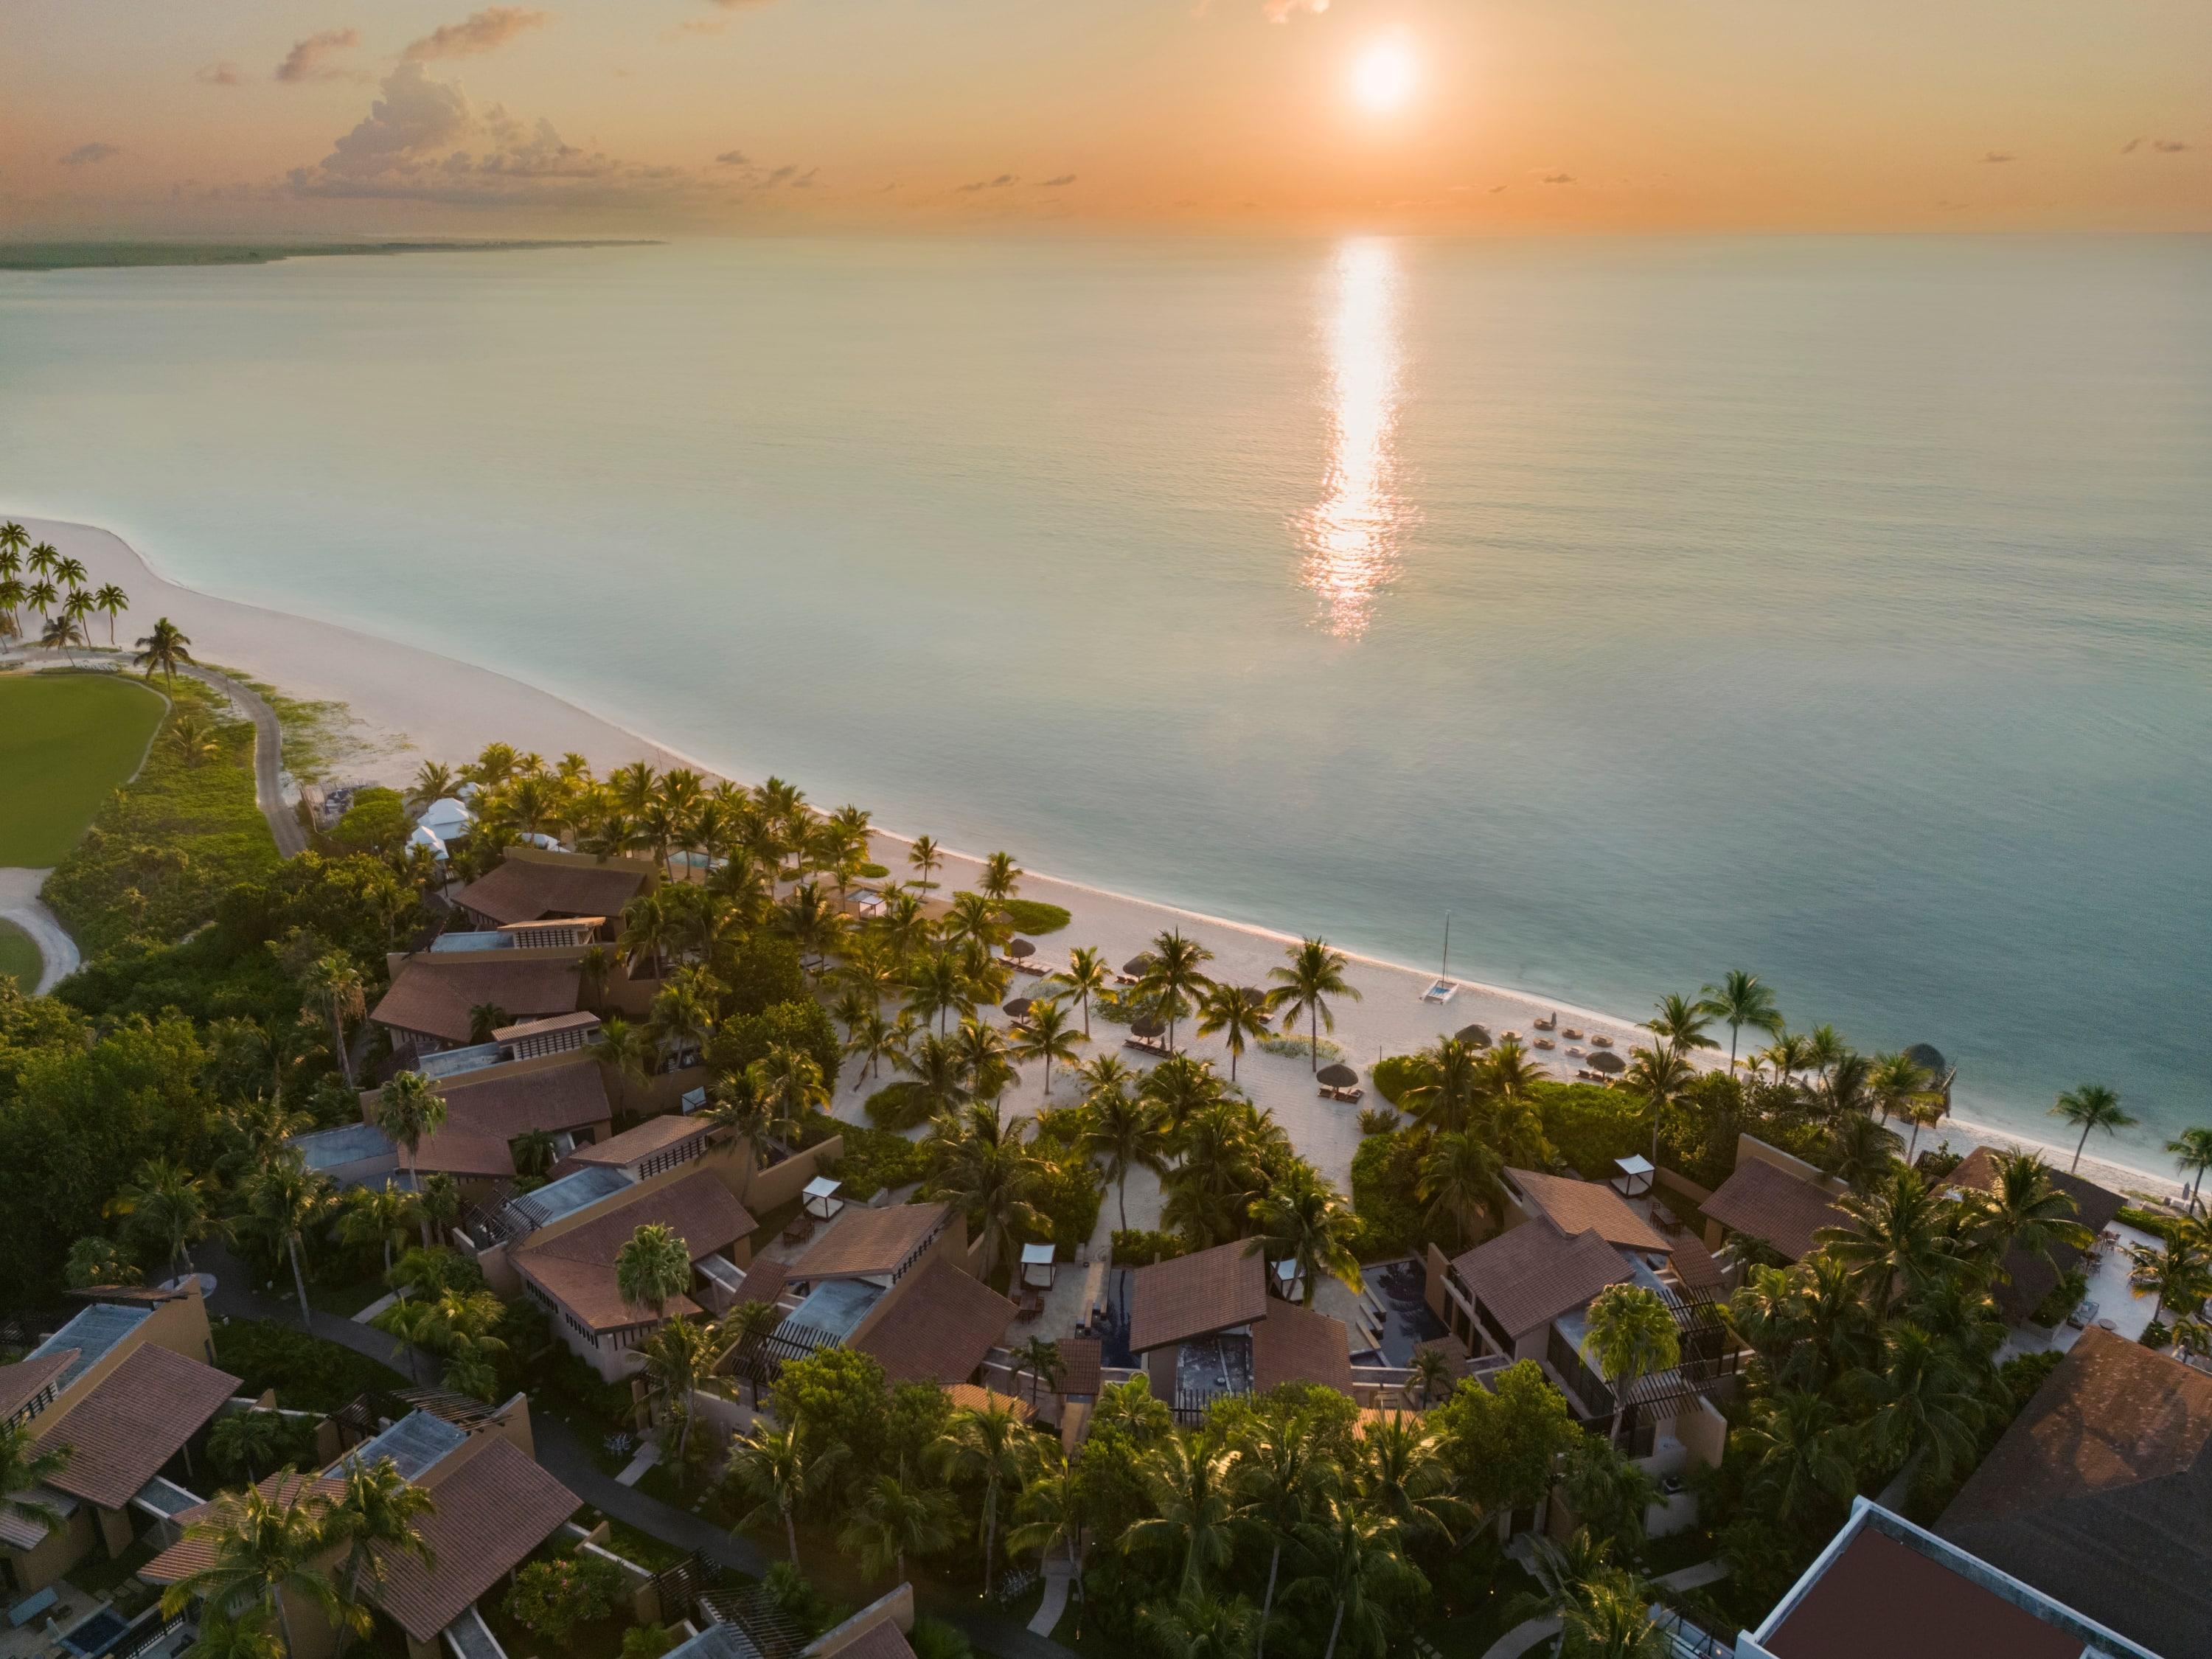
x,y
1383,78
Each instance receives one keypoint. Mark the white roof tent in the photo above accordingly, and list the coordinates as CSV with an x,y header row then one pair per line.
x,y
445,818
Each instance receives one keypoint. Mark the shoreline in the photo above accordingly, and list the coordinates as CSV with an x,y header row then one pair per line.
x,y
407,704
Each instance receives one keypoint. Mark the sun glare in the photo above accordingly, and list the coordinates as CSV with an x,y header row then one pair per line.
x,y
1383,78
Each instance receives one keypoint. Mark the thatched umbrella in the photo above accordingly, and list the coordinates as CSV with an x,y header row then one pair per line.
x,y
1146,1026
1604,1059
1137,967
1473,1035
1929,1059
1019,1008
1337,1075
1020,949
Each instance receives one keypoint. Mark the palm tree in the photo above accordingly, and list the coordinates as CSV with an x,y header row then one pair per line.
x,y
1303,1219
1740,1000
1039,1360
1357,1572
1864,1149
1002,877
1128,1134
1238,1013
248,1440
1048,1035
1894,1236
1282,1467
680,1357
1313,974
378,1215
410,1110
789,1083
2092,1106
1563,1572
1056,1502
1799,1453
1173,978
2192,1151
935,987
44,557
170,1204
2179,1269
653,1267
70,571
812,923
1610,1618
2025,1208
1086,973
983,1445
59,635
939,1074
78,608
1682,1022
440,1201
926,859
332,988
1894,1083
1928,1402
377,1514
164,648
871,1040
1631,1335
263,1550
768,1466
1188,1479
1405,1480
23,1469
1434,1375
1451,1081
1658,1075
1199,1626
13,538
747,1323
288,1200
981,1166
1459,1177
623,1052
892,1521
1788,1056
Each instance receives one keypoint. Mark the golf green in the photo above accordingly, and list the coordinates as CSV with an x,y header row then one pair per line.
x,y
65,741
19,958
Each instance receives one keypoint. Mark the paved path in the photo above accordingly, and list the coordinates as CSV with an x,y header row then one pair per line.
x,y
1056,1581
19,903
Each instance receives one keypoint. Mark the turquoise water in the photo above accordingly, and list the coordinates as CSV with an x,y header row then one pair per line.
x,y
1836,608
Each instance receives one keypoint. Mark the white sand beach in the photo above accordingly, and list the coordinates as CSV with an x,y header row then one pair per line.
x,y
411,705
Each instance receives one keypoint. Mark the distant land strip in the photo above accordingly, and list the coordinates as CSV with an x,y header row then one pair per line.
x,y
78,255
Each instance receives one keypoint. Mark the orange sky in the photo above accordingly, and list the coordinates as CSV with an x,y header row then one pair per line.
x,y
320,117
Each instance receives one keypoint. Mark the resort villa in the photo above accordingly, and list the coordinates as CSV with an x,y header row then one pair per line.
x,y
2031,1275
1775,1200
1206,1325
533,887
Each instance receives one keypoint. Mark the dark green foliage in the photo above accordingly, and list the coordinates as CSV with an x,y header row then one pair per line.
x,y
375,823
1069,1197
1134,1247
875,1159
609,1405
1034,916
2061,1299
308,1373
760,973
2156,1223
803,1026
839,1397
898,1106
1395,1074
1501,1442
1591,1126
1392,1219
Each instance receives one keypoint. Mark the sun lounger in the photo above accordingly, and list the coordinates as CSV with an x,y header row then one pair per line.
x,y
2084,1316
1349,1096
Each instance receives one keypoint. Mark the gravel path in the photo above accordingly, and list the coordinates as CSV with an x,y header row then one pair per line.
x,y
19,903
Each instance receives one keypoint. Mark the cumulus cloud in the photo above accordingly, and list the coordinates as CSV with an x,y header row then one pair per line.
x,y
86,154
484,31
1064,180
734,158
999,183
309,59
1992,157
219,75
1279,11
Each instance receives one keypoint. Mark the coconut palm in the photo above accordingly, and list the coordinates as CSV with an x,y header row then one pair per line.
x,y
653,1267
2178,1270
1631,1335
442,1202
332,988
1356,1572
1403,1478
13,538
981,1165
1048,1034
1894,1083
1282,1467
1038,1359
1740,1000
1002,877
1682,1022
1788,1056
250,1440
410,1110
789,1083
1657,1075
1863,1149
936,986
892,1521
1127,1133
1199,1626
1313,974
769,1468
939,1074
983,1445
2192,1151
24,1466
1303,1220
1056,1507
928,859
1188,1479
1086,974
624,1053
263,1550
975,925
811,921
2092,1106
288,1201
1460,1178
172,1206
381,1215
2025,1208
1433,1377
1183,1087
164,648
78,608
1799,1453
70,571
1238,1013
680,1357
59,635
871,1040
1450,1083
1173,977
376,1515
1895,1235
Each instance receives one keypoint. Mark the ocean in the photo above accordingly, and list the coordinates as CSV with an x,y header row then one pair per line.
x,y
1836,608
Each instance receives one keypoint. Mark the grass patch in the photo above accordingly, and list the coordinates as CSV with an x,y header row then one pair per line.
x,y
309,1373
316,734
19,958
1035,916
65,741
163,849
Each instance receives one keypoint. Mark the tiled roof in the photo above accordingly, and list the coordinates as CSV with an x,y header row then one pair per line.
x,y
1879,1600
1212,1291
510,1101
1580,1205
862,1242
530,889
1081,1359
942,1323
134,1421
1530,1276
968,1397
2030,1275
881,1641
188,1555
435,996
1773,1206
655,1134
1299,1345
578,1267
764,1282
1694,1265
20,1383
2100,1493
493,1510
457,1152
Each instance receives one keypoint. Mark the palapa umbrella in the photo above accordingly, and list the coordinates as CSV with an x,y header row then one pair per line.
x,y
1146,1027
1258,999
1019,1008
1137,967
1020,948
1338,1075
1604,1059
1473,1035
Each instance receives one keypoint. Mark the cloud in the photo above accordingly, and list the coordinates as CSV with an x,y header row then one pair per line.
x,y
1279,11
2129,148
999,183
484,31
734,158
1559,178
1064,180
695,26
1992,157
1494,189
307,59
86,154
2168,146
219,75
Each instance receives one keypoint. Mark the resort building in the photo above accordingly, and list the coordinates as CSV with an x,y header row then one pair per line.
x,y
2100,1494
432,1002
2031,1275
126,1387
1206,1325
1778,1201
1885,1587
495,1506
533,886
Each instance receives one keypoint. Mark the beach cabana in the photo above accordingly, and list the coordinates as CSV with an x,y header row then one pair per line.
x,y
1636,1176
820,1197
1037,1267
429,838
1339,1082
447,818
1604,1059
1473,1035
1020,950
1019,1008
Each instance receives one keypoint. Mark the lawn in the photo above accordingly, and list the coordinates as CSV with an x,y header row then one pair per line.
x,y
66,740
19,958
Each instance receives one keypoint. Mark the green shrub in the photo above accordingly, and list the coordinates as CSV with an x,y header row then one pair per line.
x,y
897,1106
877,1158
1591,1126
2062,1299
376,822
932,1638
1395,1074
1034,916
608,1405
804,1025
2156,1223
309,1374
1298,1047
1392,1222
1134,1247
552,1598
1069,1197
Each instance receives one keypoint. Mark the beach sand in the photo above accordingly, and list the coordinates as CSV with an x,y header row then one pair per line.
x,y
410,705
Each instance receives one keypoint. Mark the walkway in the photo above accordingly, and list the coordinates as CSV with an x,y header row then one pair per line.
x,y
19,903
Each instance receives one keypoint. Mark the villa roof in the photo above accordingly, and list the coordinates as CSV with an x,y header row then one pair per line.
x,y
188,1555
1215,1290
1877,1597
1081,1360
435,996
510,1101
533,890
2029,1275
1299,1345
134,1419
764,1282
493,1510
655,1134
969,1397
577,1267
20,1383
2100,1493
940,1327
1530,1275
1773,1206
1694,1264
1580,1205
879,1642
861,1243
457,1152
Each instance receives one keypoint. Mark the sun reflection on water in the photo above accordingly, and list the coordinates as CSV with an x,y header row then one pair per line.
x,y
1351,534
